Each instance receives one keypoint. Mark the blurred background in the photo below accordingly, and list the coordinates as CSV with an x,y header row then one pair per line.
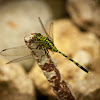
x,y
76,33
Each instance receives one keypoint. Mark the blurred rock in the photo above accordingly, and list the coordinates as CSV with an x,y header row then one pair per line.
x,y
83,48
88,88
14,83
85,13
19,18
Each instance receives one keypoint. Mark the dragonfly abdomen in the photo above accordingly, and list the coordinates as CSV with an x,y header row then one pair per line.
x,y
74,62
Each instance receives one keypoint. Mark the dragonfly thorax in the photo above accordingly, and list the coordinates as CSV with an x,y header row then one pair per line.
x,y
37,37
45,42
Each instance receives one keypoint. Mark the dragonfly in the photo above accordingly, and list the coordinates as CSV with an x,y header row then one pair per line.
x,y
46,42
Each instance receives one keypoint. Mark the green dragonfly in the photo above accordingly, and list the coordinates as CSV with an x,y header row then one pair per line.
x,y
46,42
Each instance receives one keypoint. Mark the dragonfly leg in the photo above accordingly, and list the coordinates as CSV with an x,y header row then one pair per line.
x,y
46,51
38,46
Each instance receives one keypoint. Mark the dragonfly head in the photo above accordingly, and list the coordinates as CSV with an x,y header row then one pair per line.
x,y
37,36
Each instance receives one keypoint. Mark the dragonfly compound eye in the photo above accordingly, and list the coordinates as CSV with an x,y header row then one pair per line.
x,y
38,34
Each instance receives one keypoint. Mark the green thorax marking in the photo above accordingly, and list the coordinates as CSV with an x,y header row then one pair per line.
x,y
45,42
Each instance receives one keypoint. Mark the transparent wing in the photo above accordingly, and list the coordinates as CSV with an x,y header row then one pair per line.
x,y
16,51
21,59
44,29
51,31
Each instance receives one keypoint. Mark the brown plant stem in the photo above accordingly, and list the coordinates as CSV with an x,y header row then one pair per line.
x,y
60,87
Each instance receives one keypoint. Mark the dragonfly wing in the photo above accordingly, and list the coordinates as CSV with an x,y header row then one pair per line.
x,y
21,59
44,29
16,51
51,31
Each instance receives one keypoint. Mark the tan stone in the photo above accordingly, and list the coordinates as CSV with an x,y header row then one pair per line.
x,y
14,83
85,13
